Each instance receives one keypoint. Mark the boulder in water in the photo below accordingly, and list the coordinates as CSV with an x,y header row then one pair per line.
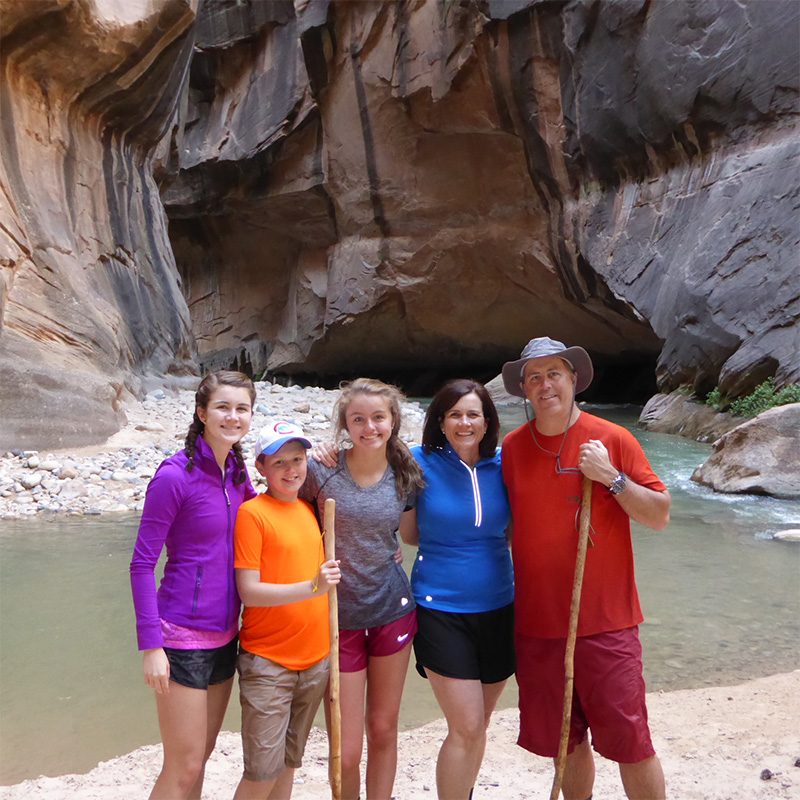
x,y
760,456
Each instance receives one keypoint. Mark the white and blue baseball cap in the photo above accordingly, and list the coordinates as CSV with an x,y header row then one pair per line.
x,y
275,435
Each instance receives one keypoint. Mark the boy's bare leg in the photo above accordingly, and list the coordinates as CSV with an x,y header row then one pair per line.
x,y
260,790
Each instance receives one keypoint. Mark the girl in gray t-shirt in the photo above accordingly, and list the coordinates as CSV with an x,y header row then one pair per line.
x,y
372,484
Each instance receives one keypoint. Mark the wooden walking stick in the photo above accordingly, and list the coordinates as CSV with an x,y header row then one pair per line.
x,y
569,656
335,732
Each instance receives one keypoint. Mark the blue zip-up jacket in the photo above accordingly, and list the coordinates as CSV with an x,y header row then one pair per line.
x,y
463,564
193,514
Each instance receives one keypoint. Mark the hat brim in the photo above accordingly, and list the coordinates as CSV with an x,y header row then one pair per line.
x,y
577,356
273,448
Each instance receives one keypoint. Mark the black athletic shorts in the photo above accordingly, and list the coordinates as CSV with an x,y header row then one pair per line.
x,y
476,646
199,669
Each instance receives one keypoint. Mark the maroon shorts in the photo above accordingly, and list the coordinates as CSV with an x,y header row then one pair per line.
x,y
356,647
609,695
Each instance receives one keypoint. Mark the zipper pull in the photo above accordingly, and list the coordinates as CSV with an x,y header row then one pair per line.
x,y
225,488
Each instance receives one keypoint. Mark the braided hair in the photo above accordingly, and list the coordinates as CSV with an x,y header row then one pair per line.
x,y
202,397
407,473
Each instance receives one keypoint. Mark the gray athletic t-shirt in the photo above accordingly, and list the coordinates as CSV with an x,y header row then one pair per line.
x,y
374,589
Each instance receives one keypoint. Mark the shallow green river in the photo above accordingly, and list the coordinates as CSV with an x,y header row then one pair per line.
x,y
722,602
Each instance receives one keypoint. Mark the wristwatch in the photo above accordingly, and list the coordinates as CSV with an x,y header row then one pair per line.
x,y
618,484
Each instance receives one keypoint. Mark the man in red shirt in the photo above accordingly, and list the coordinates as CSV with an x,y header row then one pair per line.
x,y
544,462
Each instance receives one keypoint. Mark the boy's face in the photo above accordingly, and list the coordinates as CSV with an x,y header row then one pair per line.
x,y
285,471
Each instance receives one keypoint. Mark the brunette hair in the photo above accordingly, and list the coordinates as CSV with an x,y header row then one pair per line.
x,y
202,397
407,473
433,437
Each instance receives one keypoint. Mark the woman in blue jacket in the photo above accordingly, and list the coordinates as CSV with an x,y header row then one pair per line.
x,y
188,629
462,577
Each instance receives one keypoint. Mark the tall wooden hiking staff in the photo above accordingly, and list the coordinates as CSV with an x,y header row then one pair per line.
x,y
335,767
569,656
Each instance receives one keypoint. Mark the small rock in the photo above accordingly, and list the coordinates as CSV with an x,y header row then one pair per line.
x,y
29,481
73,489
68,472
303,408
767,775
789,535
154,427
49,465
120,475
33,462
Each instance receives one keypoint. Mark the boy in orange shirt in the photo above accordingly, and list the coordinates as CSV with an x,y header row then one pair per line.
x,y
283,580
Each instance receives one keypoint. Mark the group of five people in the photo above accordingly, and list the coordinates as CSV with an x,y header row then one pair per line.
x,y
473,617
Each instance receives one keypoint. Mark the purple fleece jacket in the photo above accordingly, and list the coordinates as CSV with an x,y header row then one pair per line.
x,y
193,512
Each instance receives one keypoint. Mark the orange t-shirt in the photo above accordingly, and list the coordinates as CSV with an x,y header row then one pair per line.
x,y
282,540
545,505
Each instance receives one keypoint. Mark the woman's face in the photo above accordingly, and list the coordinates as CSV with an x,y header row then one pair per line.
x,y
464,425
369,421
227,416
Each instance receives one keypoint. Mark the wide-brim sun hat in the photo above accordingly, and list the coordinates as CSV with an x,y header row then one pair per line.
x,y
275,435
541,348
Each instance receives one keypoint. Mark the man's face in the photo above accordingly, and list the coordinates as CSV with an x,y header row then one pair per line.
x,y
549,384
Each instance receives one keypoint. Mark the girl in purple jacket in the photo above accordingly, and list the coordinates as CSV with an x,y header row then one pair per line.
x,y
188,629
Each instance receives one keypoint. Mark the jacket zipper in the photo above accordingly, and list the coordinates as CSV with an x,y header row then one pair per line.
x,y
476,493
197,582
230,543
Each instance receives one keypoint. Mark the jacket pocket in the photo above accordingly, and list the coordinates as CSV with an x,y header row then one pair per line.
x,y
197,583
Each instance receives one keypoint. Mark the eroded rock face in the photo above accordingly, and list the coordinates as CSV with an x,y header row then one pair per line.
x,y
406,185
760,456
386,188
90,303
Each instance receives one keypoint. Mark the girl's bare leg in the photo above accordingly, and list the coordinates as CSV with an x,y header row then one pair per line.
x,y
386,676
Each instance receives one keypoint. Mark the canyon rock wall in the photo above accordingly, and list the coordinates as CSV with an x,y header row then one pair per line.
x,y
90,302
404,188
383,187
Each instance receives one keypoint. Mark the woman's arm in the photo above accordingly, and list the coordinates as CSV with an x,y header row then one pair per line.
x,y
265,595
409,532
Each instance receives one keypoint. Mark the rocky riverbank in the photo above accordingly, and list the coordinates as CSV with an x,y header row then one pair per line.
x,y
113,477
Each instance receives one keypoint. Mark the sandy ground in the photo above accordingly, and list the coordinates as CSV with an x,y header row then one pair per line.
x,y
714,744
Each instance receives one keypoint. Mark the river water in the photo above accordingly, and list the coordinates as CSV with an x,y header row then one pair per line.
x,y
721,599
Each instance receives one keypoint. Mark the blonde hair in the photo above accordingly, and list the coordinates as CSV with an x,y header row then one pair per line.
x,y
407,473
